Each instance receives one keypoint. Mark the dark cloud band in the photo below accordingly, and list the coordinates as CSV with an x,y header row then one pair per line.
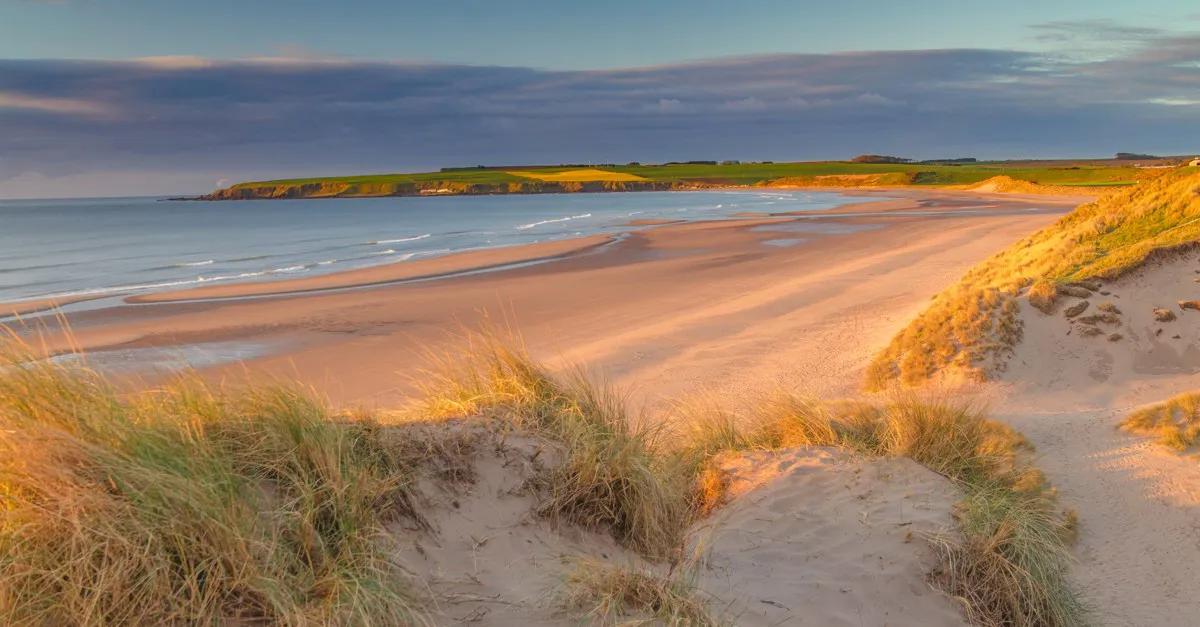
x,y
274,117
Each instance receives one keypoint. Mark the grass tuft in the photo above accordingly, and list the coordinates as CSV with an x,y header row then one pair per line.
x,y
1175,421
606,593
191,505
1010,566
616,475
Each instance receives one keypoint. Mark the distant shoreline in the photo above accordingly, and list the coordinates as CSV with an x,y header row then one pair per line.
x,y
1079,191
1057,177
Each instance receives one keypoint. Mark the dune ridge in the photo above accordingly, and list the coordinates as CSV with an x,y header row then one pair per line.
x,y
970,329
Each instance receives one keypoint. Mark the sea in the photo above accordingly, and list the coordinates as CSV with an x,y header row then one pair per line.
x,y
119,246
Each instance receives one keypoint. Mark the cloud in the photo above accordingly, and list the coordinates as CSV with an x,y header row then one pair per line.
x,y
200,120
66,106
175,62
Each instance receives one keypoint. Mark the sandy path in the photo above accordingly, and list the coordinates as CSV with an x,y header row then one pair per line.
x,y
1139,505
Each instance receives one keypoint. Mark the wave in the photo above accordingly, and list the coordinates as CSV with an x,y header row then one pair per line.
x,y
227,277
287,269
194,264
142,287
531,225
399,240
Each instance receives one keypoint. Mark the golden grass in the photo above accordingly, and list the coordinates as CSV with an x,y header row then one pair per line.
x,y
1175,421
585,175
1010,564
609,594
617,476
188,505
970,328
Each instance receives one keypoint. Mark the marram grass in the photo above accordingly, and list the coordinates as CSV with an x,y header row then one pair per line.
x,y
194,505
615,476
188,505
1175,422
611,594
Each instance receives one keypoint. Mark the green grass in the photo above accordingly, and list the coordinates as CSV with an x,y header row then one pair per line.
x,y
458,176
970,328
1053,173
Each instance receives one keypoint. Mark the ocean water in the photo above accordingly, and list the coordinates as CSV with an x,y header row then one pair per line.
x,y
118,246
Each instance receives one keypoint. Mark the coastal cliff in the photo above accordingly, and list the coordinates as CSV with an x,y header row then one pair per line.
x,y
337,189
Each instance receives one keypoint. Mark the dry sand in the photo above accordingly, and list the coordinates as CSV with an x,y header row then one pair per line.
x,y
1139,504
810,537
825,537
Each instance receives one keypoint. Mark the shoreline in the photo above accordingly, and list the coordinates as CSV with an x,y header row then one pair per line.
x,y
383,274
893,199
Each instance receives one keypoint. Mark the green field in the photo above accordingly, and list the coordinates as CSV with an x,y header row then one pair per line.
x,y
1081,173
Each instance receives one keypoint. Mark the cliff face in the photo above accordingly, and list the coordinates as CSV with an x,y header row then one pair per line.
x,y
335,189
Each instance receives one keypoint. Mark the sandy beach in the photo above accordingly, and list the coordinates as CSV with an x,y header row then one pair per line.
x,y
735,305
734,309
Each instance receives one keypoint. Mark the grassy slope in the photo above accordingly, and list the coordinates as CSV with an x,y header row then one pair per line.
x,y
1056,173
970,327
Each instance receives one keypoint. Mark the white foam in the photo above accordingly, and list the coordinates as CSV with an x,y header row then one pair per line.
x,y
288,269
402,239
195,264
531,225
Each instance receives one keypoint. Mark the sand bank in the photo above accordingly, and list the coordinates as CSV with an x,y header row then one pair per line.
x,y
25,307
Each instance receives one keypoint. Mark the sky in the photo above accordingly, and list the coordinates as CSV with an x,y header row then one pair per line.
x,y
112,97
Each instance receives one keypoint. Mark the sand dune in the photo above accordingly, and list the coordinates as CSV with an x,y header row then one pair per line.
x,y
813,536
823,537
1067,391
